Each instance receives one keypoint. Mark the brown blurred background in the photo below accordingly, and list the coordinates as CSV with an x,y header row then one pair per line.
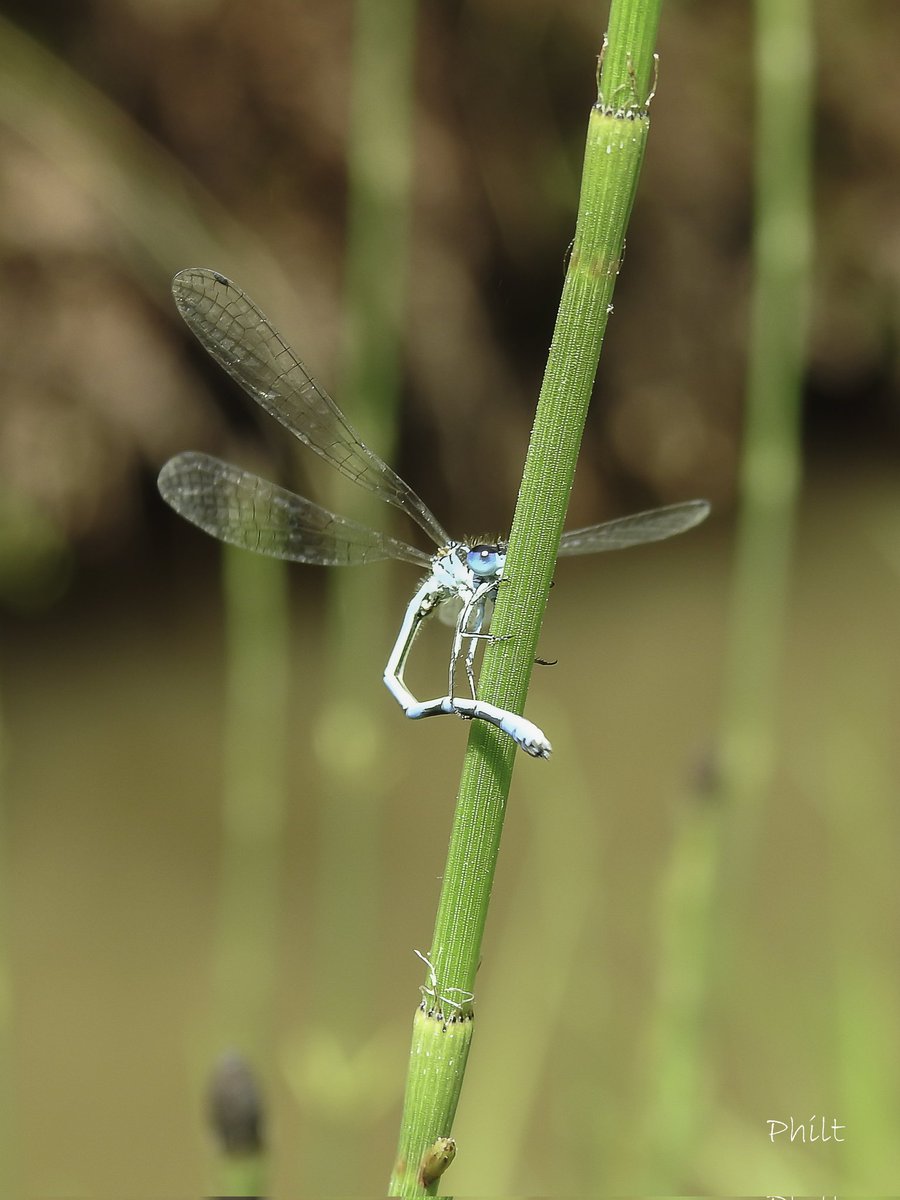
x,y
138,137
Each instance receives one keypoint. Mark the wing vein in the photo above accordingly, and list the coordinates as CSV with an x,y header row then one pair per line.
x,y
241,339
244,510
636,530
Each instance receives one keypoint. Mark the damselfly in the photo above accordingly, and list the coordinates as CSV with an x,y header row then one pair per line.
x,y
238,507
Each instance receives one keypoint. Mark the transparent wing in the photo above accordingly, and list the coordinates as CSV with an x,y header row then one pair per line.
x,y
238,507
240,338
652,526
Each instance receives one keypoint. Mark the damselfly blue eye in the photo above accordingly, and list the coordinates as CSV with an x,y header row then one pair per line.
x,y
483,561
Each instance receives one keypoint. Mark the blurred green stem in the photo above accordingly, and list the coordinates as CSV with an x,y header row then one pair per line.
x,y
771,467
350,747
253,816
375,303
716,842
616,138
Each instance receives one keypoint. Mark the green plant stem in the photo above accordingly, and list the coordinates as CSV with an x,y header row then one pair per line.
x,y
716,840
354,772
771,465
379,166
616,139
255,794
253,814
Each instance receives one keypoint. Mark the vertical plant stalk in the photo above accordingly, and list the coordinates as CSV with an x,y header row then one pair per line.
x,y
614,152
253,816
771,466
678,1076
349,857
379,173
